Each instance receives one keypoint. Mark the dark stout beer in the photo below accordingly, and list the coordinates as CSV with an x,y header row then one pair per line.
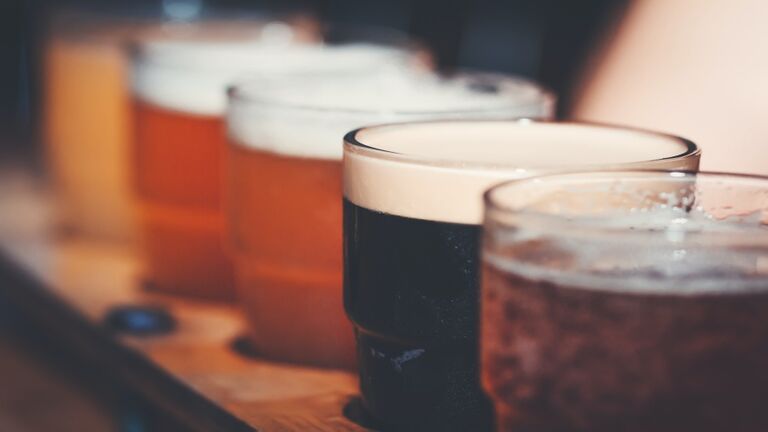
x,y
412,214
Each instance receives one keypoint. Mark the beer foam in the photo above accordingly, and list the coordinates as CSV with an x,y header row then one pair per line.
x,y
191,76
633,232
308,117
664,250
439,170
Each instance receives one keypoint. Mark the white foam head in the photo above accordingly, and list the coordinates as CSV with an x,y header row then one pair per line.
x,y
638,232
439,170
192,74
308,116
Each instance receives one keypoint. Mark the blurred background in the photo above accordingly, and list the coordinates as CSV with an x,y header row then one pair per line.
x,y
546,40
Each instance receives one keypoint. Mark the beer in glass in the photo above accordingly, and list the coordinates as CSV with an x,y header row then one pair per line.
x,y
412,216
87,108
285,189
86,121
179,89
627,301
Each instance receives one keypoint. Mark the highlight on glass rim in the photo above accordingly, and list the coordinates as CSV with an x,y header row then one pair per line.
x,y
226,215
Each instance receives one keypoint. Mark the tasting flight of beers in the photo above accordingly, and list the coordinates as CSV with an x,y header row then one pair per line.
x,y
478,264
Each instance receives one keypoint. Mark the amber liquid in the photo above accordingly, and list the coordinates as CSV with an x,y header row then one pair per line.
x,y
178,178
285,232
87,123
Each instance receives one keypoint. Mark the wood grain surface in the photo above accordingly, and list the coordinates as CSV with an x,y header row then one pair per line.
x,y
73,282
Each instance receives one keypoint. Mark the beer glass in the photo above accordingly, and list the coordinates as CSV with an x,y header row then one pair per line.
x,y
412,216
284,188
86,122
627,301
180,97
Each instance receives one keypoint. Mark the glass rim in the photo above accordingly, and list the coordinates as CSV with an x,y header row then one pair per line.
x,y
353,144
237,93
563,225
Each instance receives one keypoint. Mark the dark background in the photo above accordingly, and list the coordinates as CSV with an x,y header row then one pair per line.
x,y
547,40
42,388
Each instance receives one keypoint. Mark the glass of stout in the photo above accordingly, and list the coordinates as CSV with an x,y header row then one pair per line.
x,y
412,221
627,301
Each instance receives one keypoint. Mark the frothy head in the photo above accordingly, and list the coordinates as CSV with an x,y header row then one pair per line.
x,y
307,116
642,232
439,170
191,74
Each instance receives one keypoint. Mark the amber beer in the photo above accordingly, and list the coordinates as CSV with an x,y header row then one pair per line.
x,y
179,101
285,189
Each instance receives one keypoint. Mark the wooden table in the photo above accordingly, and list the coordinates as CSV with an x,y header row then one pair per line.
x,y
70,283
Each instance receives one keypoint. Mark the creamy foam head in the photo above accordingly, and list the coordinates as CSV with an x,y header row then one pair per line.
x,y
308,116
192,75
633,231
439,170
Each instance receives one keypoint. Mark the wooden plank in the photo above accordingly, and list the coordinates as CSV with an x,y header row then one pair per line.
x,y
70,283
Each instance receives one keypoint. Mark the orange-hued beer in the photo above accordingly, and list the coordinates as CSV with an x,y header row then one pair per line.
x,y
289,255
180,99
178,170
284,191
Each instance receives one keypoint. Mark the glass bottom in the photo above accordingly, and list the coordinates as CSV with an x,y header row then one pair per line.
x,y
295,314
183,252
422,387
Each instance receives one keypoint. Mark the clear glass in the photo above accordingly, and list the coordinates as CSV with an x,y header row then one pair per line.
x,y
412,218
179,99
86,125
87,110
284,187
632,301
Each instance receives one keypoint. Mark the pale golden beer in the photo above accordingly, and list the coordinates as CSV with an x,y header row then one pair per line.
x,y
87,124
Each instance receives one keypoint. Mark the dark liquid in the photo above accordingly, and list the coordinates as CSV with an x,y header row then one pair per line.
x,y
558,358
411,289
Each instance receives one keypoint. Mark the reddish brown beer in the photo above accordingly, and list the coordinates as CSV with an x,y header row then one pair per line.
x,y
628,301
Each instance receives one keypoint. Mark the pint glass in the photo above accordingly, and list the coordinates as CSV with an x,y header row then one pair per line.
x,y
179,89
627,301
412,216
86,121
285,189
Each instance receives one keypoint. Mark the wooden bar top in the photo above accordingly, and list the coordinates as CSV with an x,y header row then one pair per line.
x,y
72,283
